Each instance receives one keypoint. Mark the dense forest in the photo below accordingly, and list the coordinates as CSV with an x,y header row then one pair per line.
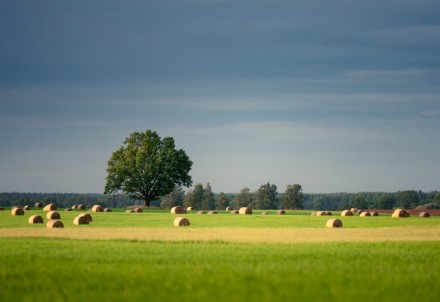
x,y
265,197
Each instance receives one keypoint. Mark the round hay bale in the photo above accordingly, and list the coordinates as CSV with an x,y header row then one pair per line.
x,y
424,215
35,219
328,213
374,213
87,216
38,205
74,207
97,208
245,211
54,224
201,212
107,210
264,213
138,210
334,223
181,221
235,212
17,211
80,220
189,208
364,214
346,213
68,210
81,207
178,210
321,213
281,212
129,211
53,215
229,208
400,213
50,207
354,210
212,212
27,208
313,214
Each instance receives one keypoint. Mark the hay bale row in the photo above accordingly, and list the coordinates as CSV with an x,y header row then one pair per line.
x,y
34,219
181,221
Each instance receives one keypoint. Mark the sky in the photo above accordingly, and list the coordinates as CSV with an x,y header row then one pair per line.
x,y
338,96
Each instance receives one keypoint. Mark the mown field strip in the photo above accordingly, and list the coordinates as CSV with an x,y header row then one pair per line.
x,y
238,235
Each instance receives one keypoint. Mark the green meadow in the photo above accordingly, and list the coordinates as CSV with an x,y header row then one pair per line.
x,y
36,266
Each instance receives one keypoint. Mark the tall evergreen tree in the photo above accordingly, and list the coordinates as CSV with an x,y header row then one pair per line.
x,y
293,198
243,199
222,201
266,197
208,201
175,198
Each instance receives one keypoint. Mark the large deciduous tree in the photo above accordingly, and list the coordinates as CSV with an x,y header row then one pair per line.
x,y
266,197
293,198
146,167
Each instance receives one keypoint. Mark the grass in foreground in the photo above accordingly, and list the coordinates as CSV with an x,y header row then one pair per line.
x,y
42,269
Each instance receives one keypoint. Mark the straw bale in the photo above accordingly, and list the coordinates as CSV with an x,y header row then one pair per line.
x,y
53,215
212,212
81,207
80,220
74,207
229,208
53,223
50,207
245,211
264,213
328,213
424,215
334,223
313,214
364,214
189,208
35,219
234,212
27,207
321,213
129,211
374,213
181,221
107,210
88,216
354,210
97,208
17,211
346,213
178,210
281,212
201,212
38,205
138,210
400,213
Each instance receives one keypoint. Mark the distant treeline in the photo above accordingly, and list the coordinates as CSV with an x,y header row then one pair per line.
x,y
334,201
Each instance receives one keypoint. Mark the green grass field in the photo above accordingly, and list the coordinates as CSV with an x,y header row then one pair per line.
x,y
219,258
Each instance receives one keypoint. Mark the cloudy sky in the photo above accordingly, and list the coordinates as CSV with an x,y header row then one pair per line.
x,y
339,95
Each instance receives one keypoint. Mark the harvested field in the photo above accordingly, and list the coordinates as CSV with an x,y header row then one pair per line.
x,y
245,235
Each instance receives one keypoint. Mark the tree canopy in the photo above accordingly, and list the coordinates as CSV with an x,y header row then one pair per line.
x,y
146,167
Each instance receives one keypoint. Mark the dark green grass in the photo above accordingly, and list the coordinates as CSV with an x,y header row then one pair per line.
x,y
39,269
162,218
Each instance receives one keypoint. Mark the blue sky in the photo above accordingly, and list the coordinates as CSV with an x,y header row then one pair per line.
x,y
334,95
